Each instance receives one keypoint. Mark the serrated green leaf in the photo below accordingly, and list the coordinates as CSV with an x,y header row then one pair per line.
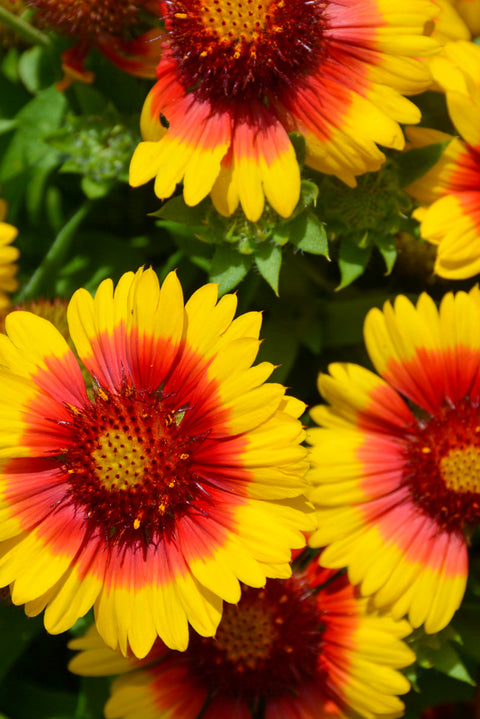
x,y
308,234
352,261
228,268
415,163
176,210
268,259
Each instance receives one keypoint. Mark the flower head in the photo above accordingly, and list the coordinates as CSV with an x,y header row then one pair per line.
x,y
469,10
110,26
8,256
396,463
305,647
153,498
456,20
236,77
450,191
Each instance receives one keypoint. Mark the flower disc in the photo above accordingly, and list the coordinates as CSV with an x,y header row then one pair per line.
x,y
303,647
153,493
396,462
236,76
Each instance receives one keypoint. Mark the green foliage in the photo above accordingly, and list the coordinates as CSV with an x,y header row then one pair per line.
x,y
363,218
98,147
415,163
244,241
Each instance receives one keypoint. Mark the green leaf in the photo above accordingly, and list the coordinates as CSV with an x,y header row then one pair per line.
x,y
388,250
441,651
35,69
268,259
308,234
281,234
228,268
176,210
7,126
38,117
96,188
352,261
308,193
415,163
446,660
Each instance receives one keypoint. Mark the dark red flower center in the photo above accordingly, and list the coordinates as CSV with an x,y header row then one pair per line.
x,y
252,49
88,18
130,466
265,646
443,465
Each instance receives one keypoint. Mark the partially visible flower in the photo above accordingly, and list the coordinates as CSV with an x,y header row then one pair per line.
x,y
396,462
55,311
456,20
8,256
232,83
301,648
151,500
109,26
470,12
450,192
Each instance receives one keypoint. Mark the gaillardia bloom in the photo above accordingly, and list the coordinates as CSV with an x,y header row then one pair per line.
x,y
109,26
450,192
457,20
301,648
236,76
8,256
153,497
469,10
396,464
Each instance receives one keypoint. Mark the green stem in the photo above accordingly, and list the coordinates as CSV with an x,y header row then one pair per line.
x,y
55,255
22,28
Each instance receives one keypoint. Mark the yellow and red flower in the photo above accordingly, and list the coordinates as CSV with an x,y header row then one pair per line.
x,y
469,10
8,257
396,461
109,26
235,77
457,20
151,500
450,192
301,648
